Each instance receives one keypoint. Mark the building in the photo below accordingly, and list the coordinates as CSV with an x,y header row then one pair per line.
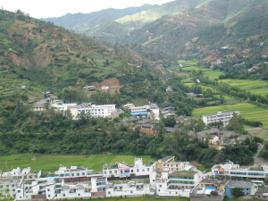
x,y
219,117
41,105
152,111
17,178
209,189
121,170
247,188
60,106
66,183
235,171
129,189
262,193
177,183
94,111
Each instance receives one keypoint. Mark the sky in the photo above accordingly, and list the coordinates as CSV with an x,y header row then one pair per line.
x,y
56,8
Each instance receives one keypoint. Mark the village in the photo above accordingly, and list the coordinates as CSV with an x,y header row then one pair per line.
x,y
165,177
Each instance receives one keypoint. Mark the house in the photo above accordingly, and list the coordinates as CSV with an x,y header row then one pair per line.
x,y
247,188
89,88
15,179
218,139
177,183
41,105
262,193
152,111
94,111
219,117
60,106
232,170
121,170
167,112
129,189
209,189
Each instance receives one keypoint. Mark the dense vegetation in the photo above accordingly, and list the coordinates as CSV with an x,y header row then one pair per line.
x,y
23,131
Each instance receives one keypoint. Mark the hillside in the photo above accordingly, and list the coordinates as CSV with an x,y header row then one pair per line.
x,y
217,33
102,25
37,56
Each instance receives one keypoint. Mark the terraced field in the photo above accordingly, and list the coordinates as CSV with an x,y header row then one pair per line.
x,y
257,87
248,111
210,74
48,163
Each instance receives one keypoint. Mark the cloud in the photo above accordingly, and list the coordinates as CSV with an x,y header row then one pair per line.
x,y
55,8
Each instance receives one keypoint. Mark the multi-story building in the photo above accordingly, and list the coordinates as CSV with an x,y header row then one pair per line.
x,y
121,170
16,178
151,111
94,111
235,171
60,106
219,117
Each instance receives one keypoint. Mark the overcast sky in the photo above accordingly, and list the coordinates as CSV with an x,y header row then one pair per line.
x,y
55,8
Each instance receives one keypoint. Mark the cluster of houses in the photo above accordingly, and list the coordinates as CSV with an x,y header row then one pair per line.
x,y
163,178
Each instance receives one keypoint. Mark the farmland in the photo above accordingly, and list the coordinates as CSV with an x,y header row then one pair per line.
x,y
52,162
257,87
248,111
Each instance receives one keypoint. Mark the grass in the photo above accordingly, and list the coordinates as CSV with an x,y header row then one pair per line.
x,y
48,163
142,199
248,111
159,199
257,87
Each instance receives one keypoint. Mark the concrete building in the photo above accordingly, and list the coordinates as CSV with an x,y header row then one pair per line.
x,y
235,171
94,111
15,179
247,188
219,117
177,183
60,106
121,170
209,189
150,111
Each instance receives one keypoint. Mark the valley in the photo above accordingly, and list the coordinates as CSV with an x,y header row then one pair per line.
x,y
151,102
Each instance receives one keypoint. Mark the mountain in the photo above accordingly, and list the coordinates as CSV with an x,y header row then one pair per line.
x,y
102,24
217,33
37,56
115,25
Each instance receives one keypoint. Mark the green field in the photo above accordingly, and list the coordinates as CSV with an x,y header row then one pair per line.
x,y
48,163
248,111
257,87
210,74
159,199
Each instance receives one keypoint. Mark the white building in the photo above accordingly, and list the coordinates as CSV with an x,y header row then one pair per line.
x,y
219,117
95,111
129,189
178,183
235,171
121,170
60,106
15,179
176,178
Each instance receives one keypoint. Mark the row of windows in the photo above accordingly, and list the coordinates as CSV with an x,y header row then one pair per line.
x,y
126,171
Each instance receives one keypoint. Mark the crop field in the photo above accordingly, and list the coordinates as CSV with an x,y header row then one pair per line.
x,y
257,87
210,74
248,111
48,163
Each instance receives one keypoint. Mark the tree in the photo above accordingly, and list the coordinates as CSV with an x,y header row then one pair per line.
x,y
237,192
169,121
